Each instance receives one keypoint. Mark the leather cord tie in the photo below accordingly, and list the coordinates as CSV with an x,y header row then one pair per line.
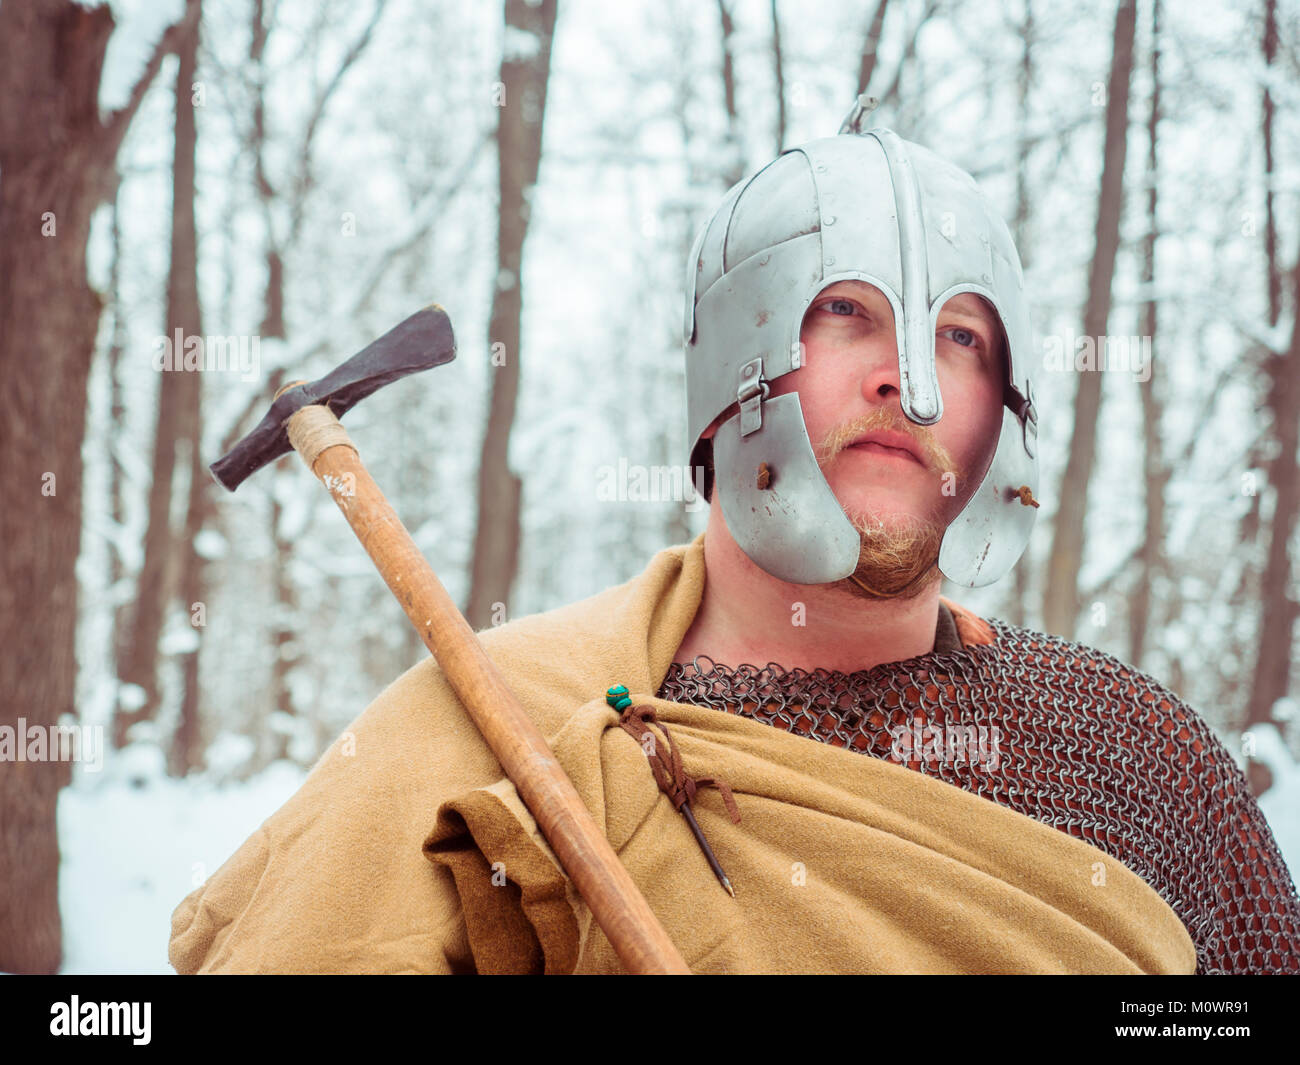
x,y
680,787
674,781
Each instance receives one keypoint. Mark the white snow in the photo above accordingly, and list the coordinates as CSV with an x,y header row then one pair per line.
x,y
210,544
179,640
228,754
137,842
131,697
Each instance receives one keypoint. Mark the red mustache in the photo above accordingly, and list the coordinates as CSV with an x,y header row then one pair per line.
x,y
883,424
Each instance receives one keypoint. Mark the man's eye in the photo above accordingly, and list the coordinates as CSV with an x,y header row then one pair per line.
x,y
845,307
965,337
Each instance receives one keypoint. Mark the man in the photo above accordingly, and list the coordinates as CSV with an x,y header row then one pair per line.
x,y
904,787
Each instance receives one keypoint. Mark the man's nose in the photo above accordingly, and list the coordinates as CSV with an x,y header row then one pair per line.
x,y
880,375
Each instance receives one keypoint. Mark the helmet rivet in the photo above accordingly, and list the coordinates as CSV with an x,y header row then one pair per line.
x,y
821,168
749,371
830,261
830,220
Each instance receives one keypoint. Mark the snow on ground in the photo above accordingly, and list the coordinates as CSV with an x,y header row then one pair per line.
x,y
135,842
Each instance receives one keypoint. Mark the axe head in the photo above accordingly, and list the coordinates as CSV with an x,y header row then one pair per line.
x,y
422,341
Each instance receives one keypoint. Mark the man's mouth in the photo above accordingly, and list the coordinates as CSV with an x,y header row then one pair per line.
x,y
891,445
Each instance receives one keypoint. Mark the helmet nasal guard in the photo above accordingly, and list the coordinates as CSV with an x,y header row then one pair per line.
x,y
864,205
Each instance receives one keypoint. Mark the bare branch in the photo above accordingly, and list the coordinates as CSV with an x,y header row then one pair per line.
x,y
909,52
302,180
871,46
120,120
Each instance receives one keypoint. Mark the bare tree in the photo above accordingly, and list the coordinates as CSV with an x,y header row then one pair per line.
x,y
1156,473
1020,231
779,73
293,192
525,72
117,405
177,431
284,612
871,46
889,94
1251,522
735,166
1269,48
273,306
183,290
57,155
1061,598
1278,610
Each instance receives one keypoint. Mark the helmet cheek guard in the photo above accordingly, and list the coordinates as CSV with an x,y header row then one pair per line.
x,y
863,205
782,513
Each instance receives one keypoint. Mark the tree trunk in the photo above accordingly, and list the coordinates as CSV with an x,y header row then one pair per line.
x,y
285,626
1061,599
177,429
1251,521
519,151
1269,48
138,664
734,168
117,409
1277,613
186,742
1017,612
889,96
273,311
291,191
56,156
1278,609
779,73
1151,556
284,612
871,47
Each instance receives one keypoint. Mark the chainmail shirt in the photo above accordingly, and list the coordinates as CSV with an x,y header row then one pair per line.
x,y
1069,736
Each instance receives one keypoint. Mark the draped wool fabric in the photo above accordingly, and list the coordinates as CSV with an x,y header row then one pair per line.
x,y
406,850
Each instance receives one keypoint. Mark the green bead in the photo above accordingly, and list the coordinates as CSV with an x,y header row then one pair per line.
x,y
622,704
617,690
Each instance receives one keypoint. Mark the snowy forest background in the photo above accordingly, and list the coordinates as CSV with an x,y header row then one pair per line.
x,y
347,170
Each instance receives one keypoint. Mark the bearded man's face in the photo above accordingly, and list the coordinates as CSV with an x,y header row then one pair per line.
x,y
898,482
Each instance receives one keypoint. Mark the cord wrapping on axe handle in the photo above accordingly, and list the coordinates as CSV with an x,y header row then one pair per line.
x,y
314,428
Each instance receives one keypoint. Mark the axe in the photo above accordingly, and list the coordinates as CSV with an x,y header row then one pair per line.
x,y
305,417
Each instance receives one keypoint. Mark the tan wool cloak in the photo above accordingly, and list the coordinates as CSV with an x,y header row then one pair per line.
x,y
406,850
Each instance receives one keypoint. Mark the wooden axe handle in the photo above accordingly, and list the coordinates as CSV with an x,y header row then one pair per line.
x,y
585,854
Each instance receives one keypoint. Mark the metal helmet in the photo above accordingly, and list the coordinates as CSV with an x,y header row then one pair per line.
x,y
869,206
